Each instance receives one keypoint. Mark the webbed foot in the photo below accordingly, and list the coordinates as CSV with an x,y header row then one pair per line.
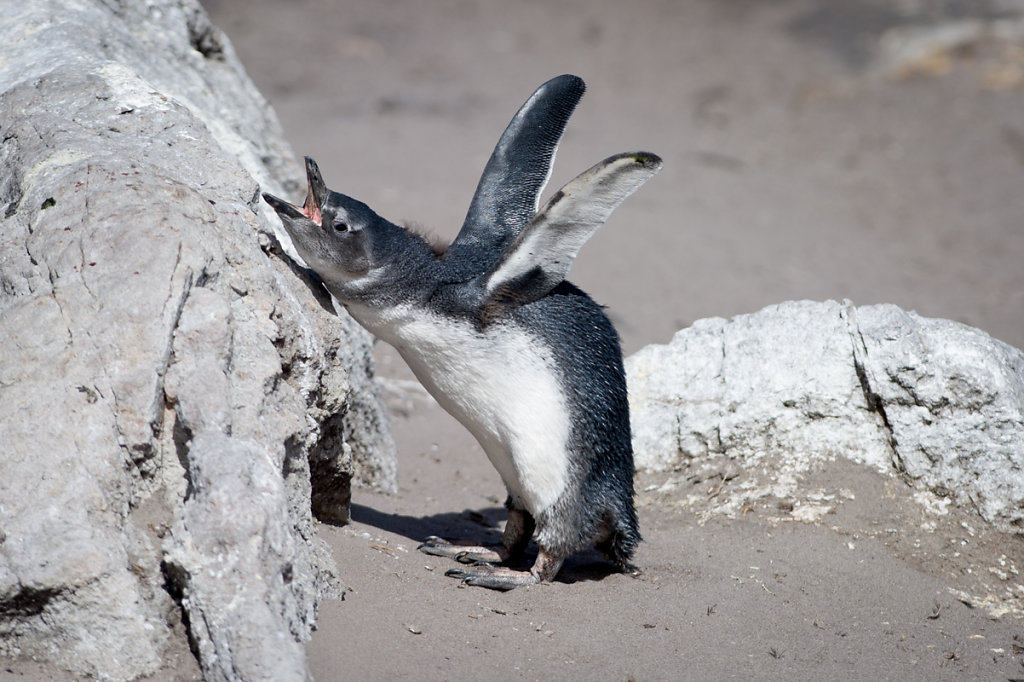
x,y
464,554
493,577
504,578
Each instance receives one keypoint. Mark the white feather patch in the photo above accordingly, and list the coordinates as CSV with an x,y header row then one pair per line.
x,y
500,384
557,233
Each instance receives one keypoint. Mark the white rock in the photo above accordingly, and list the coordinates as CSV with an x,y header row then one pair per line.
x,y
802,382
166,384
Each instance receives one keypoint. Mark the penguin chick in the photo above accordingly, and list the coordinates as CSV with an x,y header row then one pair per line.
x,y
527,362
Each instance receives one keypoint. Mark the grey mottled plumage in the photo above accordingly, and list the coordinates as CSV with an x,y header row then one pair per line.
x,y
525,360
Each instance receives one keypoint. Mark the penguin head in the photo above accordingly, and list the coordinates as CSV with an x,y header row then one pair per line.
x,y
342,239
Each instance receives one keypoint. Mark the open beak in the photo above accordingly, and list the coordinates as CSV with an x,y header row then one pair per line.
x,y
316,195
283,208
316,192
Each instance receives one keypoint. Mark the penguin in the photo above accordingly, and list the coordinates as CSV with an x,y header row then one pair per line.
x,y
525,360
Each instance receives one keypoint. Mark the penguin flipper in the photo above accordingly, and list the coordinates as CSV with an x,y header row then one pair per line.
x,y
516,173
540,257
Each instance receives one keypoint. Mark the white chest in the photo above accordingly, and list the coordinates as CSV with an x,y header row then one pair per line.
x,y
500,384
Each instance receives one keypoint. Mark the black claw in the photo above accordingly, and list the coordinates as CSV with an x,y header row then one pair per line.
x,y
466,558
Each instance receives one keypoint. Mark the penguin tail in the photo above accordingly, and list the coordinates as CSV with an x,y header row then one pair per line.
x,y
620,545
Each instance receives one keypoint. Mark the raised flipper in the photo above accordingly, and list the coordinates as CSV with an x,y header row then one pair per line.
x,y
540,257
520,165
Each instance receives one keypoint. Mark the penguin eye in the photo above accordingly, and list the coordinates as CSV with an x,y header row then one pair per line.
x,y
340,226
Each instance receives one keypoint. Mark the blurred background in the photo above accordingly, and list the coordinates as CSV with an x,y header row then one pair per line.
x,y
814,149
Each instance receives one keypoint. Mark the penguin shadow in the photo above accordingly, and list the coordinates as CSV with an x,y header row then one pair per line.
x,y
480,527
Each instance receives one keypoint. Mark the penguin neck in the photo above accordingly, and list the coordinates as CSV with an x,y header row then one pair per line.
x,y
406,271
388,297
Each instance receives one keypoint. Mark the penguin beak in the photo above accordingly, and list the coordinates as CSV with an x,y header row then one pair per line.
x,y
283,208
316,195
316,192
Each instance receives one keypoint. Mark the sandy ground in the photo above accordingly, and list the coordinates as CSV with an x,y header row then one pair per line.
x,y
799,163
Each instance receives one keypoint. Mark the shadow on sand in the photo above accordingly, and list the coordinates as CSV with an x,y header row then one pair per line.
x,y
474,527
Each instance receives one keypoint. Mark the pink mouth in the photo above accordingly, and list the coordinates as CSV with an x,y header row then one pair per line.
x,y
312,212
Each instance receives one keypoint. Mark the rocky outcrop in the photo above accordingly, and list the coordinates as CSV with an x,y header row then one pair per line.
x,y
770,395
168,378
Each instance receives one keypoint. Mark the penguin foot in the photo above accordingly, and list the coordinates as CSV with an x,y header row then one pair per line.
x,y
503,578
464,554
493,577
